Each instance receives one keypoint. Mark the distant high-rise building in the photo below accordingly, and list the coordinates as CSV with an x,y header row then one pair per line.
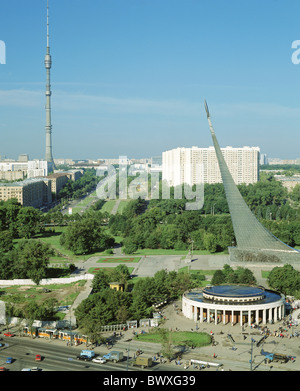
x,y
200,165
263,159
23,158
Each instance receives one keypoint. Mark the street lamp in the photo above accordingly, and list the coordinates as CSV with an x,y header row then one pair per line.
x,y
128,356
251,360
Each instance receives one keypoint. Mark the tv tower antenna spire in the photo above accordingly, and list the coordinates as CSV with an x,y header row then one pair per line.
x,y
48,127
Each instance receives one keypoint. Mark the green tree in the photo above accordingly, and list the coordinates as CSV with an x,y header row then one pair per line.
x,y
245,276
31,260
130,246
210,242
29,222
100,281
121,274
285,279
6,241
12,208
86,236
218,278
6,267
167,343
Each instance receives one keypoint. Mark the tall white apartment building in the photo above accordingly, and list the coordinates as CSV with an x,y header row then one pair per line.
x,y
200,165
37,168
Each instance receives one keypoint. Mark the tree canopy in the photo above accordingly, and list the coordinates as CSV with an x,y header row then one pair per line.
x,y
86,235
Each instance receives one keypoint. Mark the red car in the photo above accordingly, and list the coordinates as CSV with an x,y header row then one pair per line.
x,y
38,357
8,334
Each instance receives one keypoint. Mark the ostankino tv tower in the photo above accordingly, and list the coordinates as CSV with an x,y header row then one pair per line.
x,y
48,127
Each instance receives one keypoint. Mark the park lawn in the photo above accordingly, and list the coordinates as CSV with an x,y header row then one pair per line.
x,y
188,338
108,206
122,205
265,273
119,260
83,203
184,269
93,270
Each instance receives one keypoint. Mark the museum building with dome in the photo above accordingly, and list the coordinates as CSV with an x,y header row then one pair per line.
x,y
234,304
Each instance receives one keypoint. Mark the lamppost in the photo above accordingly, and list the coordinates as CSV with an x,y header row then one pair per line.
x,y
251,360
128,356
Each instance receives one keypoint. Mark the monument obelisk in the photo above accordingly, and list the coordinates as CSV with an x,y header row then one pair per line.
x,y
250,234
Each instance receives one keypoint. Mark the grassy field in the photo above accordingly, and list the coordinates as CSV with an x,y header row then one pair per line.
x,y
108,206
93,270
186,338
65,294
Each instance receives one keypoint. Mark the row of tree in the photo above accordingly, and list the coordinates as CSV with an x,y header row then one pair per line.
x,y
230,276
79,188
19,221
284,279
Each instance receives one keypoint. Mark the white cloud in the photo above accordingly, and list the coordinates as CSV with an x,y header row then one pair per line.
x,y
20,98
62,100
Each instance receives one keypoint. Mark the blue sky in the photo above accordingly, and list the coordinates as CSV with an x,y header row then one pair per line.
x,y
129,77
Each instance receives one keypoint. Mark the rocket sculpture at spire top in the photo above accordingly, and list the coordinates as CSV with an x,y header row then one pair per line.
x,y
208,118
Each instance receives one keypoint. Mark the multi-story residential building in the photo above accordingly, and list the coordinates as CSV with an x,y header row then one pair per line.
x,y
13,175
200,165
33,168
30,192
37,168
73,175
58,181
13,166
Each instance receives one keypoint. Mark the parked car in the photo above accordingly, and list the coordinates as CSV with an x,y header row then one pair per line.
x,y
38,357
2,369
99,360
84,358
9,360
9,334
